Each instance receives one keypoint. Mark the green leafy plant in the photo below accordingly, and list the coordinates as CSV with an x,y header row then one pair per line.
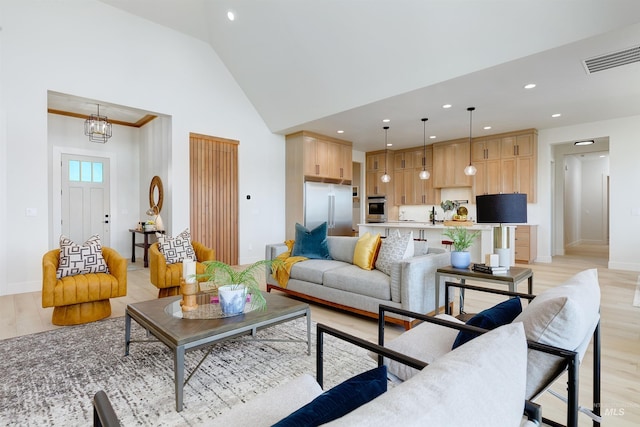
x,y
448,205
461,237
221,274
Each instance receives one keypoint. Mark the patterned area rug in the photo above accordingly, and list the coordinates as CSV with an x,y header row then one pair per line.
x,y
49,378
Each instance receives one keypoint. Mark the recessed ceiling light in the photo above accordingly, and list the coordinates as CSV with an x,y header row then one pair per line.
x,y
530,86
386,120
486,127
432,137
389,144
585,142
231,16
340,131
446,106
556,115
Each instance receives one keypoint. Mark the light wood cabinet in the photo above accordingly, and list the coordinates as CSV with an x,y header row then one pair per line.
x,y
506,163
485,149
487,179
404,187
325,157
375,186
519,145
526,239
449,161
518,167
408,188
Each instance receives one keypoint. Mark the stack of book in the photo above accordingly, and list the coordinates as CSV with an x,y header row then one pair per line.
x,y
483,268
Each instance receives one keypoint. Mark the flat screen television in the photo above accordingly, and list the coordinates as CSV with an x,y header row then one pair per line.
x,y
502,208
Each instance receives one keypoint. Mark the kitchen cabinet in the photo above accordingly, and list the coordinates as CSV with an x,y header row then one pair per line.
x,y
506,163
488,178
408,188
526,243
375,187
322,157
485,149
376,161
449,161
518,168
405,159
519,145
404,187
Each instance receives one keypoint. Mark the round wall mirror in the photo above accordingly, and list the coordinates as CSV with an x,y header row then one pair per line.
x,y
156,193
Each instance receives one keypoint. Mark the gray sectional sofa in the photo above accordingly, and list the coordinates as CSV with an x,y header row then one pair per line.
x,y
339,283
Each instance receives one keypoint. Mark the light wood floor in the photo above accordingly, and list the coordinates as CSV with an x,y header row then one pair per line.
x,y
22,314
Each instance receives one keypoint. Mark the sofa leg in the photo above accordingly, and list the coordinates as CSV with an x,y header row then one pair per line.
x,y
168,292
76,314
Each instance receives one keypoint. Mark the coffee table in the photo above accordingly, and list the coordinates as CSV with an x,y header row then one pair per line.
x,y
184,335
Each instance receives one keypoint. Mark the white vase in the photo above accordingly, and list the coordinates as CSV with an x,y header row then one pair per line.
x,y
232,299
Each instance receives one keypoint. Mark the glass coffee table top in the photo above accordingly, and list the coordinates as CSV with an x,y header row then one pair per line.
x,y
208,308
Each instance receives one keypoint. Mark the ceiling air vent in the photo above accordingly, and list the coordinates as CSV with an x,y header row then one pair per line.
x,y
612,60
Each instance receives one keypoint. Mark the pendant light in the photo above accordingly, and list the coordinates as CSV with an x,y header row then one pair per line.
x,y
386,177
424,173
470,170
97,128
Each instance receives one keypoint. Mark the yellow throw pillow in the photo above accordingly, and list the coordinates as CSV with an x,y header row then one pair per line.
x,y
366,251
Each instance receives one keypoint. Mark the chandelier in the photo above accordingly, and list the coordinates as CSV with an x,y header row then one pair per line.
x,y
97,128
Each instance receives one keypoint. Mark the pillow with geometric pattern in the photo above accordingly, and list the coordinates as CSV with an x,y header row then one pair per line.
x,y
80,259
178,248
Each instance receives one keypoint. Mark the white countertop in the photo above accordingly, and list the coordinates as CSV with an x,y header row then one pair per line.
x,y
420,225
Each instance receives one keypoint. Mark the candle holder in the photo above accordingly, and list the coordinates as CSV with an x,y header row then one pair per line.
x,y
188,291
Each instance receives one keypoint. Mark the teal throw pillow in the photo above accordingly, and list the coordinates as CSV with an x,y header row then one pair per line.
x,y
311,243
491,318
340,400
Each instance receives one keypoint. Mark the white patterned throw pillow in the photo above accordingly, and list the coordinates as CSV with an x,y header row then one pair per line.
x,y
394,248
178,248
80,259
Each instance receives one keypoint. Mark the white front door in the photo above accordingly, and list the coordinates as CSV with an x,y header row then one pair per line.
x,y
85,198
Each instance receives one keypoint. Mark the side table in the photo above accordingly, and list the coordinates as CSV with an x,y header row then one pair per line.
x,y
145,245
512,277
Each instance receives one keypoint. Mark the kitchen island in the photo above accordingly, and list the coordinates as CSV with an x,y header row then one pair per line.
x,y
432,233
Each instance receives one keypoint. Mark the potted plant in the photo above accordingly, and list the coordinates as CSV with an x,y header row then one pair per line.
x,y
462,239
449,206
235,283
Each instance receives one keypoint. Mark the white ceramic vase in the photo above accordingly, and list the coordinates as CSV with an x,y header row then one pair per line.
x,y
232,299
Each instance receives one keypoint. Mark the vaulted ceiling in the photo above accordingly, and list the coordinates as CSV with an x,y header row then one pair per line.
x,y
346,65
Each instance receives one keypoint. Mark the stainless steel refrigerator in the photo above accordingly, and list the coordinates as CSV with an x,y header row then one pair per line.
x,y
331,203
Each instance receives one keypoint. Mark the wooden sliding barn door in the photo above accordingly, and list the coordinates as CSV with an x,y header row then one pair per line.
x,y
213,166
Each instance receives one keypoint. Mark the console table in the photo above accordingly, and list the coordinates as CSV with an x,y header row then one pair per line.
x,y
512,277
145,245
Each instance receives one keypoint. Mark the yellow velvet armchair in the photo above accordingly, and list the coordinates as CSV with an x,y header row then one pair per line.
x,y
82,298
166,277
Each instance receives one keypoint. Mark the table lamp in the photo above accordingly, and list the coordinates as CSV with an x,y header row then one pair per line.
x,y
502,209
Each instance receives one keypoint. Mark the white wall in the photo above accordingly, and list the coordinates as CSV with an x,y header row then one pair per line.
x,y
624,152
88,49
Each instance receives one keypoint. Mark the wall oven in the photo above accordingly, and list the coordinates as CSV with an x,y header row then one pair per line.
x,y
376,209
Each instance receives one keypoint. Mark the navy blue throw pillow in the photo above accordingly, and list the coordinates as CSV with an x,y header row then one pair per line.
x,y
311,243
340,400
491,318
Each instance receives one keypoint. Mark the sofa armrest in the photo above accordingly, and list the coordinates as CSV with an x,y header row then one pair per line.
x,y
203,253
270,253
418,281
117,268
50,262
274,249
